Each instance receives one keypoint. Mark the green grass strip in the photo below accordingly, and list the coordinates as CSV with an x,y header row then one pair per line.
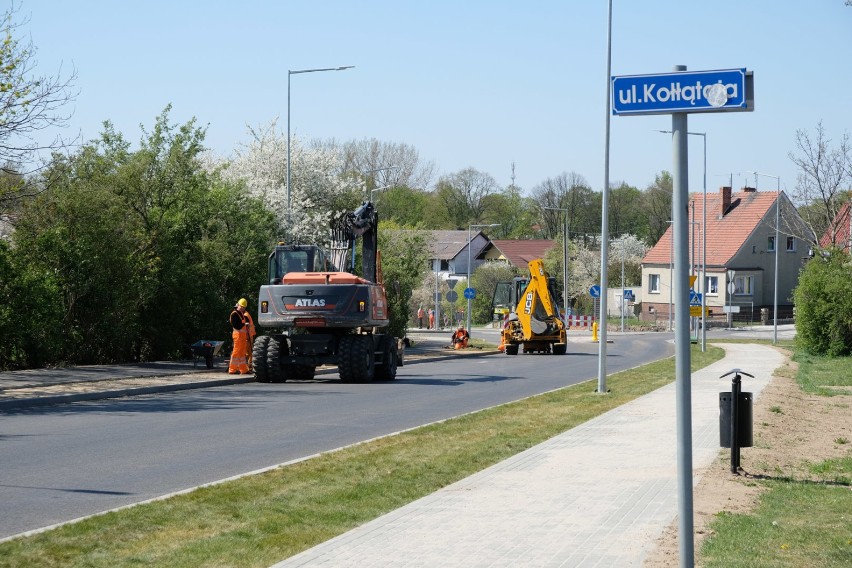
x,y
262,519
796,524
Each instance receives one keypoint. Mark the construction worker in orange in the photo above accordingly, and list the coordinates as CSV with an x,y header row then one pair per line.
x,y
460,338
242,332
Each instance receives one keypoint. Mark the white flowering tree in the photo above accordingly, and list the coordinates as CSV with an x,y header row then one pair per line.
x,y
318,192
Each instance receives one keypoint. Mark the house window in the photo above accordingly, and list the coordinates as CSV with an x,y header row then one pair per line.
x,y
654,283
791,244
445,266
743,286
711,284
770,244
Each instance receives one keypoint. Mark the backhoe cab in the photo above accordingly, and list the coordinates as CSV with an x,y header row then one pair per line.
x,y
531,315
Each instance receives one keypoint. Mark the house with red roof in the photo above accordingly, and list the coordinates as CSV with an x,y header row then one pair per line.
x,y
839,234
516,253
740,238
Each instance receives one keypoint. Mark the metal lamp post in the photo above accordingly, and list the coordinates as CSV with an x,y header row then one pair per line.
x,y
384,187
289,74
777,250
564,258
469,238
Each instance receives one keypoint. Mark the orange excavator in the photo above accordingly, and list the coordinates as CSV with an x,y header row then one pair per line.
x,y
317,314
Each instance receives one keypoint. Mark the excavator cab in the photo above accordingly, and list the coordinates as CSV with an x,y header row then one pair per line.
x,y
297,258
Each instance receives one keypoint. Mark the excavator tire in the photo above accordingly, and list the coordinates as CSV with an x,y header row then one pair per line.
x,y
356,361
560,348
274,368
512,349
258,357
387,370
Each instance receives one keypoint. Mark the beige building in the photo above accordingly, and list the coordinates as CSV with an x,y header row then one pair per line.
x,y
740,237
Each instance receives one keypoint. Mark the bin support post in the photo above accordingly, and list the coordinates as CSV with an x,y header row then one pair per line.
x,y
736,383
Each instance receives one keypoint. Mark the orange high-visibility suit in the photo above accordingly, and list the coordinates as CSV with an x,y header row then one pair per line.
x,y
242,334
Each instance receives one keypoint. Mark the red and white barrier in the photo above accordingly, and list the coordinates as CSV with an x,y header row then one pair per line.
x,y
580,321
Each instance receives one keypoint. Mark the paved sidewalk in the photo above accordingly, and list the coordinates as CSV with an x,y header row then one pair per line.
x,y
597,495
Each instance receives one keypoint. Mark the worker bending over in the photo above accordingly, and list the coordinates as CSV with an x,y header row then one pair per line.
x,y
460,338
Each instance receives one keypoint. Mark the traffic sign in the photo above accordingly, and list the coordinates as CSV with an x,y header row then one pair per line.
x,y
732,288
692,279
451,283
628,295
694,298
731,309
595,291
469,293
695,311
452,296
683,91
731,274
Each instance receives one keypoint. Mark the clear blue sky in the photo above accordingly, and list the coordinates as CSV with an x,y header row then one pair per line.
x,y
480,84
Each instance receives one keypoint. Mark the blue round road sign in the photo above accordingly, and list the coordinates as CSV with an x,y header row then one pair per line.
x,y
595,291
469,293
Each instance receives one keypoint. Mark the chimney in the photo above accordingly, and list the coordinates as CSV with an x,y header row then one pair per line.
x,y
725,192
749,189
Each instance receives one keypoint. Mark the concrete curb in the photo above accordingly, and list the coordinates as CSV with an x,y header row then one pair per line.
x,y
54,399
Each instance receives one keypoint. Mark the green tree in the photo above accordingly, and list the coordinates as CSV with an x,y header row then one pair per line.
x,y
823,301
404,263
656,204
30,313
404,206
149,250
624,216
515,213
463,196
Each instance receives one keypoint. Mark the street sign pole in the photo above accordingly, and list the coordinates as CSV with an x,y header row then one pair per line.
x,y
683,392
680,93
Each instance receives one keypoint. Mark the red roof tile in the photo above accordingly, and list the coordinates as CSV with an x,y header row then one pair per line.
x,y
725,234
520,253
841,235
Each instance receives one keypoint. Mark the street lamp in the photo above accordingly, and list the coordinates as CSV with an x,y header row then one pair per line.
x,y
289,73
777,250
372,191
469,238
564,259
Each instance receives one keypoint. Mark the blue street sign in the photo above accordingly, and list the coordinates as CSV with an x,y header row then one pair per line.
x,y
628,295
694,298
469,293
683,91
595,291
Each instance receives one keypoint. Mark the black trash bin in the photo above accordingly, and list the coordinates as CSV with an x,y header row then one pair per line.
x,y
744,420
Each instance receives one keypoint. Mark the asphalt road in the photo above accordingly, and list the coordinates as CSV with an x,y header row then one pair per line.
x,y
63,462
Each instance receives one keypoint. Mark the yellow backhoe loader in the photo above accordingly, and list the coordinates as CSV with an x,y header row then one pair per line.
x,y
531,316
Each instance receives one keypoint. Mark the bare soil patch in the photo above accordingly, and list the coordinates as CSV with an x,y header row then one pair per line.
x,y
792,429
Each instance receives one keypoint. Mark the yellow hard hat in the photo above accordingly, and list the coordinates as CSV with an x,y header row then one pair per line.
x,y
243,302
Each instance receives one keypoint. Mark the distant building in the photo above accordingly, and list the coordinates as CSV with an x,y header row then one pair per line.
x,y
517,253
740,237
840,233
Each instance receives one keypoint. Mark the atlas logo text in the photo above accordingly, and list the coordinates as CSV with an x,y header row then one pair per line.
x,y
310,303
